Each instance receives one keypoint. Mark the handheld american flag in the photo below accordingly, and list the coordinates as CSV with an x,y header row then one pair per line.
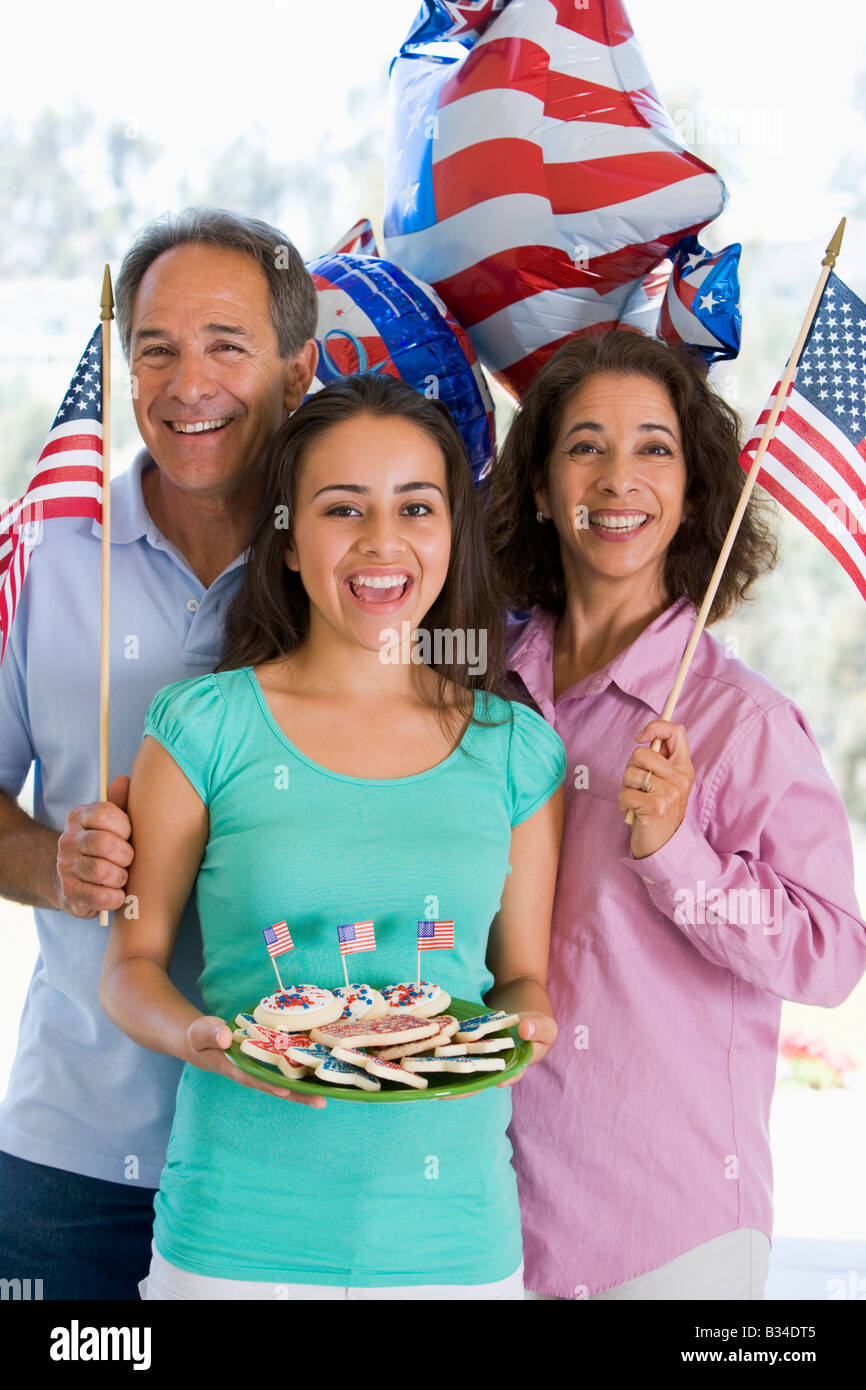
x,y
356,936
67,480
815,463
278,939
435,936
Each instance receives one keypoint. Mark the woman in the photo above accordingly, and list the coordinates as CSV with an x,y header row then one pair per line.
x,y
322,776
641,1145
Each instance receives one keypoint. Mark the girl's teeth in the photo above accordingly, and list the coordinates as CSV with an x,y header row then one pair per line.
x,y
379,588
381,581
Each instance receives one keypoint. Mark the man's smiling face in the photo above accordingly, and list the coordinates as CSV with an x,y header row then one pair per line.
x,y
212,389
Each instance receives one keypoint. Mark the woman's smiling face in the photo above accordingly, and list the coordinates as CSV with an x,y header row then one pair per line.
x,y
616,478
371,533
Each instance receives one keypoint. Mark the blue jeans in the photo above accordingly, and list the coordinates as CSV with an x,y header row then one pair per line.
x,y
81,1237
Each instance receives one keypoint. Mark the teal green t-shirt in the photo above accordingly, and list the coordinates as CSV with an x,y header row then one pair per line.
x,y
367,1195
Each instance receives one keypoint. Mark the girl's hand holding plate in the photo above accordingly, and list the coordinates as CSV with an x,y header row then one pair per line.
x,y
208,1040
539,1029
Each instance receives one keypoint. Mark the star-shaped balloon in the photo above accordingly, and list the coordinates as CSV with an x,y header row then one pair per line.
x,y
702,302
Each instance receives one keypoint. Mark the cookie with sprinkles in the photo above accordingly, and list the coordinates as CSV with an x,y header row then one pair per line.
x,y
424,1064
344,1074
448,1025
304,1052
489,1045
276,1038
360,1001
376,1032
298,1008
269,1049
466,1066
245,1027
471,1029
356,1055
422,999
392,1071
291,1069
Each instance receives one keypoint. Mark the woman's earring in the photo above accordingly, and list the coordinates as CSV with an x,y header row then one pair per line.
x,y
539,516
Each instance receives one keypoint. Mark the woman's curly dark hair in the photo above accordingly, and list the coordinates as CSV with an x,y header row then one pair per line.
x,y
527,555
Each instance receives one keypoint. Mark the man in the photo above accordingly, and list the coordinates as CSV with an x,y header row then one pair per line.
x,y
217,316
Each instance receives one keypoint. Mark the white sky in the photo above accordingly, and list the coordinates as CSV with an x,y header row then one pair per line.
x,y
193,74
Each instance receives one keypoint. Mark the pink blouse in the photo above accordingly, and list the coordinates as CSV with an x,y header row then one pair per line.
x,y
645,1131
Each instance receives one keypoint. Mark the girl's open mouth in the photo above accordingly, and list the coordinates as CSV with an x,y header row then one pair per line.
x,y
378,590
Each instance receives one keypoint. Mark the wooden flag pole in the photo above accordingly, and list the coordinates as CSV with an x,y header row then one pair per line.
x,y
106,315
827,265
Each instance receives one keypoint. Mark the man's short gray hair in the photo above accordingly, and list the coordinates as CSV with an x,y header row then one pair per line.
x,y
291,292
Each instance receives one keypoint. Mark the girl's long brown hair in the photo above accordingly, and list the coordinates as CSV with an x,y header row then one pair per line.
x,y
270,614
526,554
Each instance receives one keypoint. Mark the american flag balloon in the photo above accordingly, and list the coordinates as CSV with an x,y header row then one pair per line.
x,y
376,317
533,175
702,303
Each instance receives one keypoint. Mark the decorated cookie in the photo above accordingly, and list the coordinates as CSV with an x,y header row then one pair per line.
x,y
298,1008
360,1001
276,1038
423,1000
392,1071
465,1066
450,1049
304,1052
245,1027
471,1029
356,1055
266,1049
290,1068
447,1026
377,1032
424,1064
489,1045
344,1074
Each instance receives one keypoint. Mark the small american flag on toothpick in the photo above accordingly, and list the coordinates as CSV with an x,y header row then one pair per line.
x,y
278,939
355,936
433,936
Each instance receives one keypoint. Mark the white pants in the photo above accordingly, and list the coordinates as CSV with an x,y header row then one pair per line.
x,y
730,1267
165,1281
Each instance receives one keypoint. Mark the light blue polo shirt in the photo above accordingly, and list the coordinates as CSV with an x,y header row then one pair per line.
x,y
82,1096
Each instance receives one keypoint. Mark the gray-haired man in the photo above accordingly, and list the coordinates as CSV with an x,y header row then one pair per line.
x,y
217,316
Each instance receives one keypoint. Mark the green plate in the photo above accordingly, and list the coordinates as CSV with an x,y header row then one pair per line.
x,y
515,1061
